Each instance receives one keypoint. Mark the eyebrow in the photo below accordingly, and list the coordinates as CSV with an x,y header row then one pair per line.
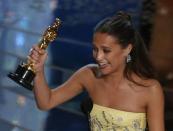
x,y
103,46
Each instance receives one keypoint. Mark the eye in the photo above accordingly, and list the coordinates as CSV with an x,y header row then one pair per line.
x,y
106,50
95,49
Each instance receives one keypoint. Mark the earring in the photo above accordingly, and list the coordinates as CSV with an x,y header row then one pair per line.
x,y
128,59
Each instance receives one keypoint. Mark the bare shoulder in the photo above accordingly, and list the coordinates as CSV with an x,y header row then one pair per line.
x,y
87,73
155,87
89,69
155,92
88,76
150,85
155,106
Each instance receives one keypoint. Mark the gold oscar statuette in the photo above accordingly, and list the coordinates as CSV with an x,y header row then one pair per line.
x,y
24,74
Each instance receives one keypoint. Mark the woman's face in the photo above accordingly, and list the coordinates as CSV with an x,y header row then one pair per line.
x,y
108,53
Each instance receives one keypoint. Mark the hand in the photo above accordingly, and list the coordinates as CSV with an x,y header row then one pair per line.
x,y
37,57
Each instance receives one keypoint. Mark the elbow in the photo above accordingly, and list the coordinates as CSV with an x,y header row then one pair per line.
x,y
43,107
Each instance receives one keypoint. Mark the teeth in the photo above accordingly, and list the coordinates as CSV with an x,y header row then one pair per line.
x,y
101,64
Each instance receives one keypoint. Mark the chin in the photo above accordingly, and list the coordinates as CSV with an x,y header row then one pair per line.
x,y
104,72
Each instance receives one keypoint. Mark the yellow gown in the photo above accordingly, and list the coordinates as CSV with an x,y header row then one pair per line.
x,y
109,119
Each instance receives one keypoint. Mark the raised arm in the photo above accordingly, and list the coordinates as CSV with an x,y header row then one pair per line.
x,y
155,110
47,98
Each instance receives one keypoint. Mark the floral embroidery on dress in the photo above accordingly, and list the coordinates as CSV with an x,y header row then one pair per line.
x,y
106,119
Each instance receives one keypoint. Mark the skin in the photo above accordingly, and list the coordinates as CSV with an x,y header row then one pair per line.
x,y
104,82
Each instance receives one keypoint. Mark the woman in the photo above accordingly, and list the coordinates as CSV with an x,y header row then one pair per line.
x,y
122,84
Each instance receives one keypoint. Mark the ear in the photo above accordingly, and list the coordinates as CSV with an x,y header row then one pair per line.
x,y
128,49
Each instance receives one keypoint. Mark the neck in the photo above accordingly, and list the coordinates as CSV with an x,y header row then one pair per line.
x,y
114,78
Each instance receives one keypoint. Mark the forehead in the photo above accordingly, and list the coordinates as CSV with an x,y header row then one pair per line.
x,y
105,39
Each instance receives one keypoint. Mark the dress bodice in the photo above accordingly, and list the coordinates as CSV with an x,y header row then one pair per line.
x,y
109,119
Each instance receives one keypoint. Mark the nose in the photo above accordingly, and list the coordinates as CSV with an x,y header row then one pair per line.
x,y
99,55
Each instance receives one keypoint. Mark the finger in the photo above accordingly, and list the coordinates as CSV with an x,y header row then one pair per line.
x,y
31,50
42,52
29,59
36,48
32,59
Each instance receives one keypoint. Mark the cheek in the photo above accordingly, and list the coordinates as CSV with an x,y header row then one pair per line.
x,y
117,58
94,54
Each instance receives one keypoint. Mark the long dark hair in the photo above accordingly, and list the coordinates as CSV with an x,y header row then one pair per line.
x,y
120,26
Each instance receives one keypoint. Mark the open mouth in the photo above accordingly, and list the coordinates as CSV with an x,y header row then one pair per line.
x,y
102,65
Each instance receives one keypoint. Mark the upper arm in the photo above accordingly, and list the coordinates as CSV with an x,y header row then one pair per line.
x,y
155,108
72,87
